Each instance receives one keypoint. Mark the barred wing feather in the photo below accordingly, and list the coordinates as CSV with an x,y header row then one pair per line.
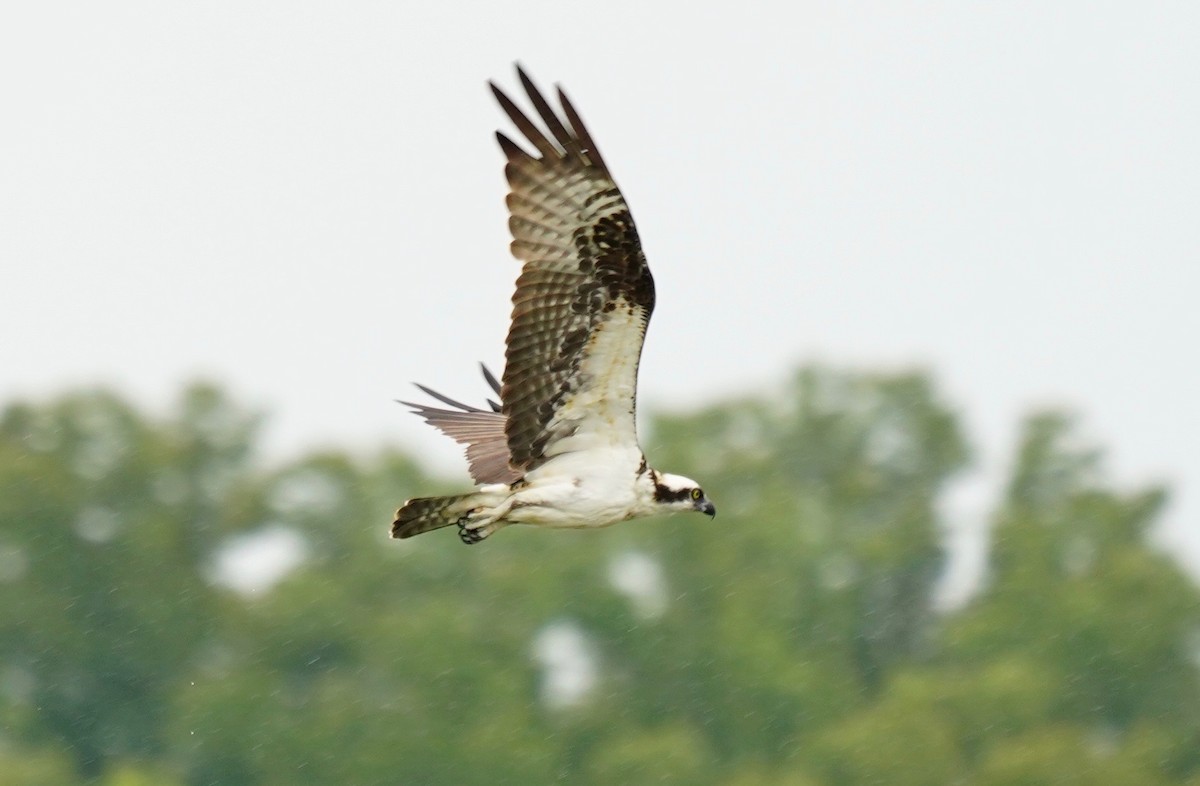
x,y
584,296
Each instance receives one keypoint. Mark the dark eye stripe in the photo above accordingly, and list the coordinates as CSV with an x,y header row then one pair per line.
x,y
666,495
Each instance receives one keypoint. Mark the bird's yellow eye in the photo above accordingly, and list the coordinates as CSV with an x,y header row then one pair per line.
x,y
697,494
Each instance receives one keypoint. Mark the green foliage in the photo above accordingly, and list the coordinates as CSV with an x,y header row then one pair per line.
x,y
46,766
792,641
108,521
676,755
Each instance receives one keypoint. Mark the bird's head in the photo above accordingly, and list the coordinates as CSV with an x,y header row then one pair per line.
x,y
677,493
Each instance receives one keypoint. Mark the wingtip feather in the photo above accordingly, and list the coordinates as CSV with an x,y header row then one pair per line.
x,y
512,151
490,378
581,133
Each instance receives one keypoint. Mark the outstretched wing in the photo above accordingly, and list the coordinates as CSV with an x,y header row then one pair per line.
x,y
584,296
481,430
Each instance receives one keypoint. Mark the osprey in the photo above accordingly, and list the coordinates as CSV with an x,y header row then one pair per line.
x,y
560,448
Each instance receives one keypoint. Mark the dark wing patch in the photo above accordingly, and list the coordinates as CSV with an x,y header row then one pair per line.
x,y
583,261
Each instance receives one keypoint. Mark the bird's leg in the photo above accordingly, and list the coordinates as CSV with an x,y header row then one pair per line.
x,y
478,523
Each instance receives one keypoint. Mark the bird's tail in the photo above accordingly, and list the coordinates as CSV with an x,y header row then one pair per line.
x,y
429,513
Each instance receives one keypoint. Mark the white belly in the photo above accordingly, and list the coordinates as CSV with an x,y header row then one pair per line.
x,y
580,490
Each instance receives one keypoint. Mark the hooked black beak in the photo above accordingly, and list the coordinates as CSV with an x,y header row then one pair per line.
x,y
708,509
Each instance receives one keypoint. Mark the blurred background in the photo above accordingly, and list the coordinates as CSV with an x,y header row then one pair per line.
x,y
925,333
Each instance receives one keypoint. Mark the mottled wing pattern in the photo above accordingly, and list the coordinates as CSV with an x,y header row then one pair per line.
x,y
481,430
584,276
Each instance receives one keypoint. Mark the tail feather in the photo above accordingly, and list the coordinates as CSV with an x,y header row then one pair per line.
x,y
429,513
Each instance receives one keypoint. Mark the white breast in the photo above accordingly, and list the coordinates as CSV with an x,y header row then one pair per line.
x,y
593,488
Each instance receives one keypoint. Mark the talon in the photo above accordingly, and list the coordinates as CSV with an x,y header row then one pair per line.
x,y
478,523
471,535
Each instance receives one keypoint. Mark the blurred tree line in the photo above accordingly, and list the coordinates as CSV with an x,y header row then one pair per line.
x,y
793,641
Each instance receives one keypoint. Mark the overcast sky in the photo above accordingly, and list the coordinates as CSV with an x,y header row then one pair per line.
x,y
305,202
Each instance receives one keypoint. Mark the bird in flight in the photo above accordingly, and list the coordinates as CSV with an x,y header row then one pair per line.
x,y
560,447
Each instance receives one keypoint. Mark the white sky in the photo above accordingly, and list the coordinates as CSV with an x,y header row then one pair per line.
x,y
304,202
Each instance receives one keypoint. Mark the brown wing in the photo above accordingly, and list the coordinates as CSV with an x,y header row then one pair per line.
x,y
482,431
584,296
